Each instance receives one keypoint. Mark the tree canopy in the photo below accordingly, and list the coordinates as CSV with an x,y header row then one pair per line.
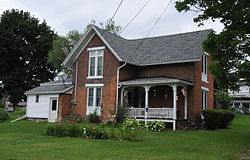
x,y
24,46
62,45
229,50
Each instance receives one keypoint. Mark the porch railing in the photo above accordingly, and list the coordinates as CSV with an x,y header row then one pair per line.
x,y
151,113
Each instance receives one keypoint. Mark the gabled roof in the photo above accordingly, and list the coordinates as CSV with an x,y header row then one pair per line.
x,y
177,48
52,87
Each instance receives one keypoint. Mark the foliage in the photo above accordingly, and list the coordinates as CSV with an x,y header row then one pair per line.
x,y
2,104
62,45
93,118
26,135
3,115
63,130
132,124
120,115
230,48
108,26
95,133
214,119
224,99
24,46
155,126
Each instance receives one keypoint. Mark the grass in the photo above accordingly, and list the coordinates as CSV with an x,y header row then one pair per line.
x,y
26,140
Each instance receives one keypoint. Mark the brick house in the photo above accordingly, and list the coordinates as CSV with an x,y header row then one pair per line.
x,y
160,78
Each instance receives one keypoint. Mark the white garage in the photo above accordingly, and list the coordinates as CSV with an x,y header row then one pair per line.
x,y
43,101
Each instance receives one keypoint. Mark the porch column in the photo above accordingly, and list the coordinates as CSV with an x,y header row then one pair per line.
x,y
146,101
122,96
174,100
185,116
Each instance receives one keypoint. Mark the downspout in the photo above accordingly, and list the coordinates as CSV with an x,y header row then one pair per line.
x,y
117,86
76,81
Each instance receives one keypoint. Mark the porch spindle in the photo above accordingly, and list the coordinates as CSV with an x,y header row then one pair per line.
x,y
185,116
122,96
146,101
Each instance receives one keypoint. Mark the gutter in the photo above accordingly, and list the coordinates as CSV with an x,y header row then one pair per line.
x,y
117,86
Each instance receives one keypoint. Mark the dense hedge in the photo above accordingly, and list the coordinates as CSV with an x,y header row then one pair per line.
x,y
214,119
3,115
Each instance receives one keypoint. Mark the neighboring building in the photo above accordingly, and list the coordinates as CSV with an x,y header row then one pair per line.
x,y
160,78
242,97
50,101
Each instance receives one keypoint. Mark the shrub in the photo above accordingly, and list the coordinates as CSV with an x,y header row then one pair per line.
x,y
120,115
155,126
214,119
96,133
63,130
3,115
93,118
133,124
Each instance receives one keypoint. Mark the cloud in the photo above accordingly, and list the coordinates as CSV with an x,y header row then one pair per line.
x,y
65,15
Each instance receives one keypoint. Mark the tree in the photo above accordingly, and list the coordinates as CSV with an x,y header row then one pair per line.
x,y
229,49
224,99
62,45
24,46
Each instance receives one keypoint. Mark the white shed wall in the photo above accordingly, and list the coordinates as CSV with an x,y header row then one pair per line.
x,y
40,109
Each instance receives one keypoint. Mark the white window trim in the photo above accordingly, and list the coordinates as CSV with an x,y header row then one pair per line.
x,y
96,62
94,85
205,88
96,48
204,100
94,107
204,76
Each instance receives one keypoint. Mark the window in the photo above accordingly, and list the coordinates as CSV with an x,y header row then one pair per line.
x,y
37,98
204,68
204,99
54,104
94,97
95,62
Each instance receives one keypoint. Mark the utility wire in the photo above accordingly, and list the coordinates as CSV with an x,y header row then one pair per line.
x,y
131,19
138,46
134,16
112,16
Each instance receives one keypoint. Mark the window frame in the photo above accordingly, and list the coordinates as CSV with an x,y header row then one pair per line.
x,y
94,96
204,70
204,98
95,52
37,98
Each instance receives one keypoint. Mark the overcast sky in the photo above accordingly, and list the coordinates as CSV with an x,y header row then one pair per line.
x,y
66,15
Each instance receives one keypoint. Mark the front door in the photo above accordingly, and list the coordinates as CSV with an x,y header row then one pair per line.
x,y
53,110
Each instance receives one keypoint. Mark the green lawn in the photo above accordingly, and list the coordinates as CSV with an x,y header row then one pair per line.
x,y
26,140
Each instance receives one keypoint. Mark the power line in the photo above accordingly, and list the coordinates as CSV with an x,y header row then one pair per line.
x,y
131,19
134,16
112,16
138,46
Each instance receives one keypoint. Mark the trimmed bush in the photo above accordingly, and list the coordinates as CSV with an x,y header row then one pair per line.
x,y
3,115
214,119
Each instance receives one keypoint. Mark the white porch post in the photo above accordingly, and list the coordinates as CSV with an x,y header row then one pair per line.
x,y
147,88
185,116
122,96
174,104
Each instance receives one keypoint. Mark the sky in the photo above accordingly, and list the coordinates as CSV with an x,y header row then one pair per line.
x,y
66,15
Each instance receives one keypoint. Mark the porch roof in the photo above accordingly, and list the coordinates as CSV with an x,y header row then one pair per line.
x,y
154,81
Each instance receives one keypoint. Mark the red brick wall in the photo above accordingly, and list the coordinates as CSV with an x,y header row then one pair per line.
x,y
64,106
187,71
110,64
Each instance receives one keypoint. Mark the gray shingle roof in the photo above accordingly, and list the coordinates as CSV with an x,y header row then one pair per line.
x,y
154,80
51,87
177,48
